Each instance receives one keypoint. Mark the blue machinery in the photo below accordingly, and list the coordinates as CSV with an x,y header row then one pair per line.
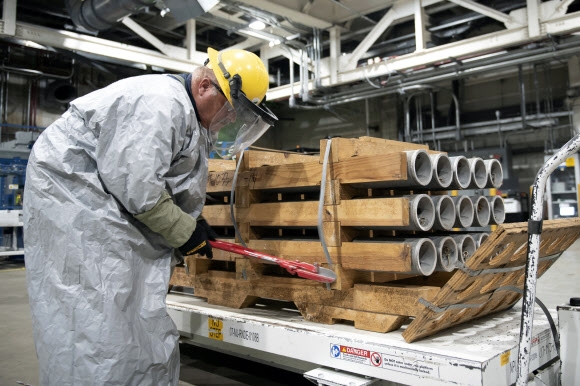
x,y
12,177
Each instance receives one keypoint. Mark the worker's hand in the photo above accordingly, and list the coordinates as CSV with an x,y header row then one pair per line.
x,y
199,241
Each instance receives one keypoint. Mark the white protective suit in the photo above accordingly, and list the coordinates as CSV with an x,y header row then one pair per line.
x,y
97,277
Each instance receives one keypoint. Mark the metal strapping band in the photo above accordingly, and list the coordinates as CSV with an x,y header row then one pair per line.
x,y
535,227
436,309
471,272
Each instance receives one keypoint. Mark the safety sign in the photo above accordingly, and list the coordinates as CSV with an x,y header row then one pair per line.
x,y
396,361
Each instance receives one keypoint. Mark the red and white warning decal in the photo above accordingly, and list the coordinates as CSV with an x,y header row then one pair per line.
x,y
397,360
351,354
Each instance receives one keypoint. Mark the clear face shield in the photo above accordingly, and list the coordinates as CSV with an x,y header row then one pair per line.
x,y
236,127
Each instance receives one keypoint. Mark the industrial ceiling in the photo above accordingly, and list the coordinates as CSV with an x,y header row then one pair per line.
x,y
331,42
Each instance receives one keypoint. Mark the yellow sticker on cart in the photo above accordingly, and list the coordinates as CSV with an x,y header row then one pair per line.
x,y
504,358
570,162
215,324
214,328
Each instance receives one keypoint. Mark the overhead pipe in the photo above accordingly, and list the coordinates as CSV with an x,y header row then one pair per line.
x,y
497,210
466,246
447,253
450,72
99,15
425,88
464,212
478,173
461,172
445,212
482,212
494,172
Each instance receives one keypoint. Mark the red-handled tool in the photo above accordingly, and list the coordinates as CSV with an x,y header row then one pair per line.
x,y
301,269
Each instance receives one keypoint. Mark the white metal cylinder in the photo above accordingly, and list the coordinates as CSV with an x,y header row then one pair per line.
x,y
464,212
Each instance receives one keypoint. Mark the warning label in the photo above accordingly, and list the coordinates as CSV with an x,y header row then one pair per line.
x,y
351,354
403,363
409,365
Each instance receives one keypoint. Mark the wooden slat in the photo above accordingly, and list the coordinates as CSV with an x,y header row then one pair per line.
x,y
254,158
378,257
220,181
220,165
345,148
363,169
217,215
385,212
402,300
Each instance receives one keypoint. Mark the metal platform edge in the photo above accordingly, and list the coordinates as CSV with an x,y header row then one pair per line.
x,y
482,353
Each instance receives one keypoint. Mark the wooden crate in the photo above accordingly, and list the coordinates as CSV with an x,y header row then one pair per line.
x,y
461,296
276,210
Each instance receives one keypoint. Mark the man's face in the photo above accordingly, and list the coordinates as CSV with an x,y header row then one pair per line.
x,y
210,102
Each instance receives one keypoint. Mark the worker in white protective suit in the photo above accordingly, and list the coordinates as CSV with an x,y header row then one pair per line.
x,y
113,188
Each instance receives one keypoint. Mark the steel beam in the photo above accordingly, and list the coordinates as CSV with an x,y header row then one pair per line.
x,y
487,11
442,54
105,48
277,9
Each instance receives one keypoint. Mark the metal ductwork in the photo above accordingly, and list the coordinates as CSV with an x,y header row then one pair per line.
x,y
99,15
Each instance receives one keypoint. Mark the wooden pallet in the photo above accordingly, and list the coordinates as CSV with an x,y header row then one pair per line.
x,y
386,306
505,248
276,210
362,304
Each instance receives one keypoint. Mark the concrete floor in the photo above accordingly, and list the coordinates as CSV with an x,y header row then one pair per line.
x,y
18,364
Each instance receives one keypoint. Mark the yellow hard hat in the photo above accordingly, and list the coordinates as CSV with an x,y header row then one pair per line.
x,y
248,67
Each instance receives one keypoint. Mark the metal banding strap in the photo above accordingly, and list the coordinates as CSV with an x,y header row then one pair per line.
x,y
535,227
471,272
436,309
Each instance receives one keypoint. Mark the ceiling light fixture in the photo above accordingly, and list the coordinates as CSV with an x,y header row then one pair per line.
x,y
257,25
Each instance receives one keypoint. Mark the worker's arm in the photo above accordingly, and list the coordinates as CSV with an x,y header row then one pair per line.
x,y
178,228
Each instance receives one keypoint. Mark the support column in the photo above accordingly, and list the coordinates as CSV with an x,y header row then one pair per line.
x,y
334,53
9,17
574,80
421,34
190,39
533,18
